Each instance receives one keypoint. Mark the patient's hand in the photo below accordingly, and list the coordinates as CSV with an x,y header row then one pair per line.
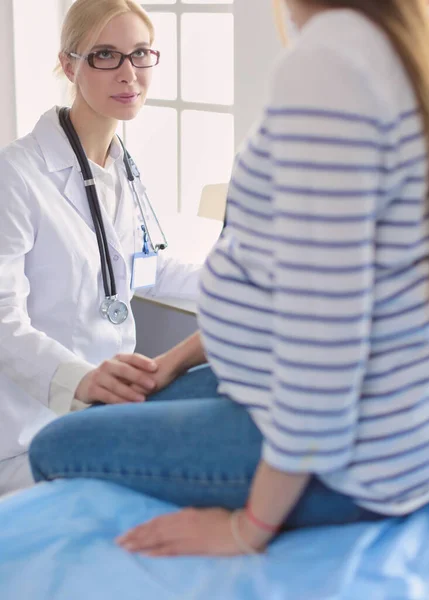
x,y
166,372
124,378
178,360
191,531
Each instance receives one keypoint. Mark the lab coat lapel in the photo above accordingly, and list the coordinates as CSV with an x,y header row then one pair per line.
x,y
124,216
75,193
111,233
59,156
60,160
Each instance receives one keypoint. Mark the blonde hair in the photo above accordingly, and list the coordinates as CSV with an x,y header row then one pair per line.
x,y
406,24
86,19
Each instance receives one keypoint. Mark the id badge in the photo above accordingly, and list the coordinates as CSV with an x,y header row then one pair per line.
x,y
144,270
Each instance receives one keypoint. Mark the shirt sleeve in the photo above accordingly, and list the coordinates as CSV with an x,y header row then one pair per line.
x,y
326,167
63,387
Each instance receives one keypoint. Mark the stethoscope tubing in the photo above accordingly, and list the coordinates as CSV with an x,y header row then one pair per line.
x,y
129,164
109,283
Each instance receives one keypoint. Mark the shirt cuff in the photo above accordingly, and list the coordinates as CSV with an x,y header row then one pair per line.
x,y
63,386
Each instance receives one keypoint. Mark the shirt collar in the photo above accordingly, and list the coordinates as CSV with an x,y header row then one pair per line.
x,y
56,149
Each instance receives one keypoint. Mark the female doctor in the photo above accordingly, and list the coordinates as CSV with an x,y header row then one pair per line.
x,y
67,268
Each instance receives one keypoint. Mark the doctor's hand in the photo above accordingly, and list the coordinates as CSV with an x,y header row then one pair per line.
x,y
124,378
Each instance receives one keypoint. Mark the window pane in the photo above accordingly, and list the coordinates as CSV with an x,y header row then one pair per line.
x,y
151,139
208,58
37,88
207,153
164,83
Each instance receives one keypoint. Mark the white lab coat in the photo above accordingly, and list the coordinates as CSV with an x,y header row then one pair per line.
x,y
50,278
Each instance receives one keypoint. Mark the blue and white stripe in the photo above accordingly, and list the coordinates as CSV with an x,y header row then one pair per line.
x,y
313,305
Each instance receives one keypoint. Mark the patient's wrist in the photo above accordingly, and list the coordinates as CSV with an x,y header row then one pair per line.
x,y
252,534
171,363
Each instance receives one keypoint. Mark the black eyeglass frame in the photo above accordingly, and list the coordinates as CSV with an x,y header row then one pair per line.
x,y
90,59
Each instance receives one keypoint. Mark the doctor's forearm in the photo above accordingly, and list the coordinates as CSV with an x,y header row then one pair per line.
x,y
185,355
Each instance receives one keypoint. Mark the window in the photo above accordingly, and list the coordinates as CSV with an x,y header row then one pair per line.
x,y
184,137
208,89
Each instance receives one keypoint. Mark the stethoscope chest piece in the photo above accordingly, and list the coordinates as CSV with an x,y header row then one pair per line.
x,y
114,310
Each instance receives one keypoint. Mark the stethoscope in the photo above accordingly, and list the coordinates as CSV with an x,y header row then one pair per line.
x,y
111,308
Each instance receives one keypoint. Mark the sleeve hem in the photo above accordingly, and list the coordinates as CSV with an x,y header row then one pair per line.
x,y
64,383
313,463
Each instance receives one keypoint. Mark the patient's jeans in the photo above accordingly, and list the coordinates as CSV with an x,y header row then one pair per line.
x,y
187,445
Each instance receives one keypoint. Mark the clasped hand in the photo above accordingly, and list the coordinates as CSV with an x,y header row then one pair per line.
x,y
125,378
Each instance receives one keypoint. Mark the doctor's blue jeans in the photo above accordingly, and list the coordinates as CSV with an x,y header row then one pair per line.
x,y
187,445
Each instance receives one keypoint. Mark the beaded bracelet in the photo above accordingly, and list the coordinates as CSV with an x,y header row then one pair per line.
x,y
242,544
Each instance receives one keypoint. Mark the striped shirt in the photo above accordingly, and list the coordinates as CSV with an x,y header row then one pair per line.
x,y
314,302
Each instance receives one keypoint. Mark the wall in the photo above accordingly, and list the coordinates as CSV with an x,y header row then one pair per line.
x,y
256,47
7,95
160,328
37,88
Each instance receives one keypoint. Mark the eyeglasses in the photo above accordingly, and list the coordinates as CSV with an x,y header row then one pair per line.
x,y
107,60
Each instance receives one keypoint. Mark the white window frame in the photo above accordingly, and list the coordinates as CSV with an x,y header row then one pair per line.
x,y
253,25
179,105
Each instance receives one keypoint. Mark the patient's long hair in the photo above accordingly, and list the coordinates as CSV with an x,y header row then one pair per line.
x,y
406,23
